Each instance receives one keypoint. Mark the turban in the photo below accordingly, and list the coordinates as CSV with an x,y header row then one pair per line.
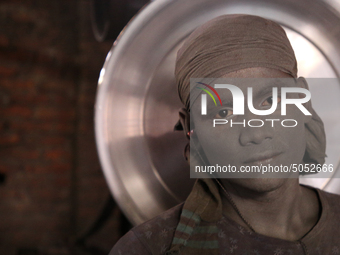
x,y
229,43
222,45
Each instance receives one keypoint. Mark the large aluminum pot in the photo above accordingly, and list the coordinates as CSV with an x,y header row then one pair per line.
x,y
137,103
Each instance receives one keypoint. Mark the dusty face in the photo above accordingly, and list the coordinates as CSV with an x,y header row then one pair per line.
x,y
242,146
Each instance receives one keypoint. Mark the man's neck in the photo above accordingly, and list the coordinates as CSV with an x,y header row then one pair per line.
x,y
287,212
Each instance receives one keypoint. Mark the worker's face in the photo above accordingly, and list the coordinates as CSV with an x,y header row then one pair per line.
x,y
240,146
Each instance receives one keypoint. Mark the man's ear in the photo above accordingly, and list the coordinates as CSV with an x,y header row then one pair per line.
x,y
184,118
302,83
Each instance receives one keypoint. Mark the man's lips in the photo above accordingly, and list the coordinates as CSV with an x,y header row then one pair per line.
x,y
263,158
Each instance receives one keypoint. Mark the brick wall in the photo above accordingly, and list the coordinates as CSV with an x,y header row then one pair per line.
x,y
51,185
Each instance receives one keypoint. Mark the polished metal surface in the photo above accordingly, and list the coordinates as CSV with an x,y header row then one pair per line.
x,y
137,103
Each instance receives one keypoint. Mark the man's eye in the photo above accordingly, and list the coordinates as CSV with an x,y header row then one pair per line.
x,y
224,113
269,101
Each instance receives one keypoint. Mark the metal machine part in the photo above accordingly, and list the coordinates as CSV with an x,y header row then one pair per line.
x,y
137,103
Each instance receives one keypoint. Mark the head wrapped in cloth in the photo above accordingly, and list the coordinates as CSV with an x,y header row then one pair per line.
x,y
233,42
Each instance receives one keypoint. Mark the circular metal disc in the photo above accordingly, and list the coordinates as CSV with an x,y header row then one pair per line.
x,y
137,103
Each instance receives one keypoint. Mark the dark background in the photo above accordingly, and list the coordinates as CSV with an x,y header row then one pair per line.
x,y
51,185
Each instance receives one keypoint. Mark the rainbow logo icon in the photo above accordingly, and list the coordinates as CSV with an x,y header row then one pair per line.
x,y
209,93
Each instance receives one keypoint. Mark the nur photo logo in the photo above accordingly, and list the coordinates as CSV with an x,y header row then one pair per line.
x,y
238,104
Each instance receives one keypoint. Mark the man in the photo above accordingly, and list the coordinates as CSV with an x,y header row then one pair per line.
x,y
243,215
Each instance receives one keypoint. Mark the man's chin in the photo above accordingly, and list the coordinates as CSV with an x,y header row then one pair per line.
x,y
258,185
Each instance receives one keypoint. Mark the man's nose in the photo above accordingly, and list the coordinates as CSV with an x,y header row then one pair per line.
x,y
254,132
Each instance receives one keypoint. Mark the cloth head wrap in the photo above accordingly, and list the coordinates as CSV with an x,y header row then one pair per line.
x,y
223,45
229,43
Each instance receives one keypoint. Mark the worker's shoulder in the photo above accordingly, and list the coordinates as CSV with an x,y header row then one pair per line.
x,y
158,232
333,200
151,237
